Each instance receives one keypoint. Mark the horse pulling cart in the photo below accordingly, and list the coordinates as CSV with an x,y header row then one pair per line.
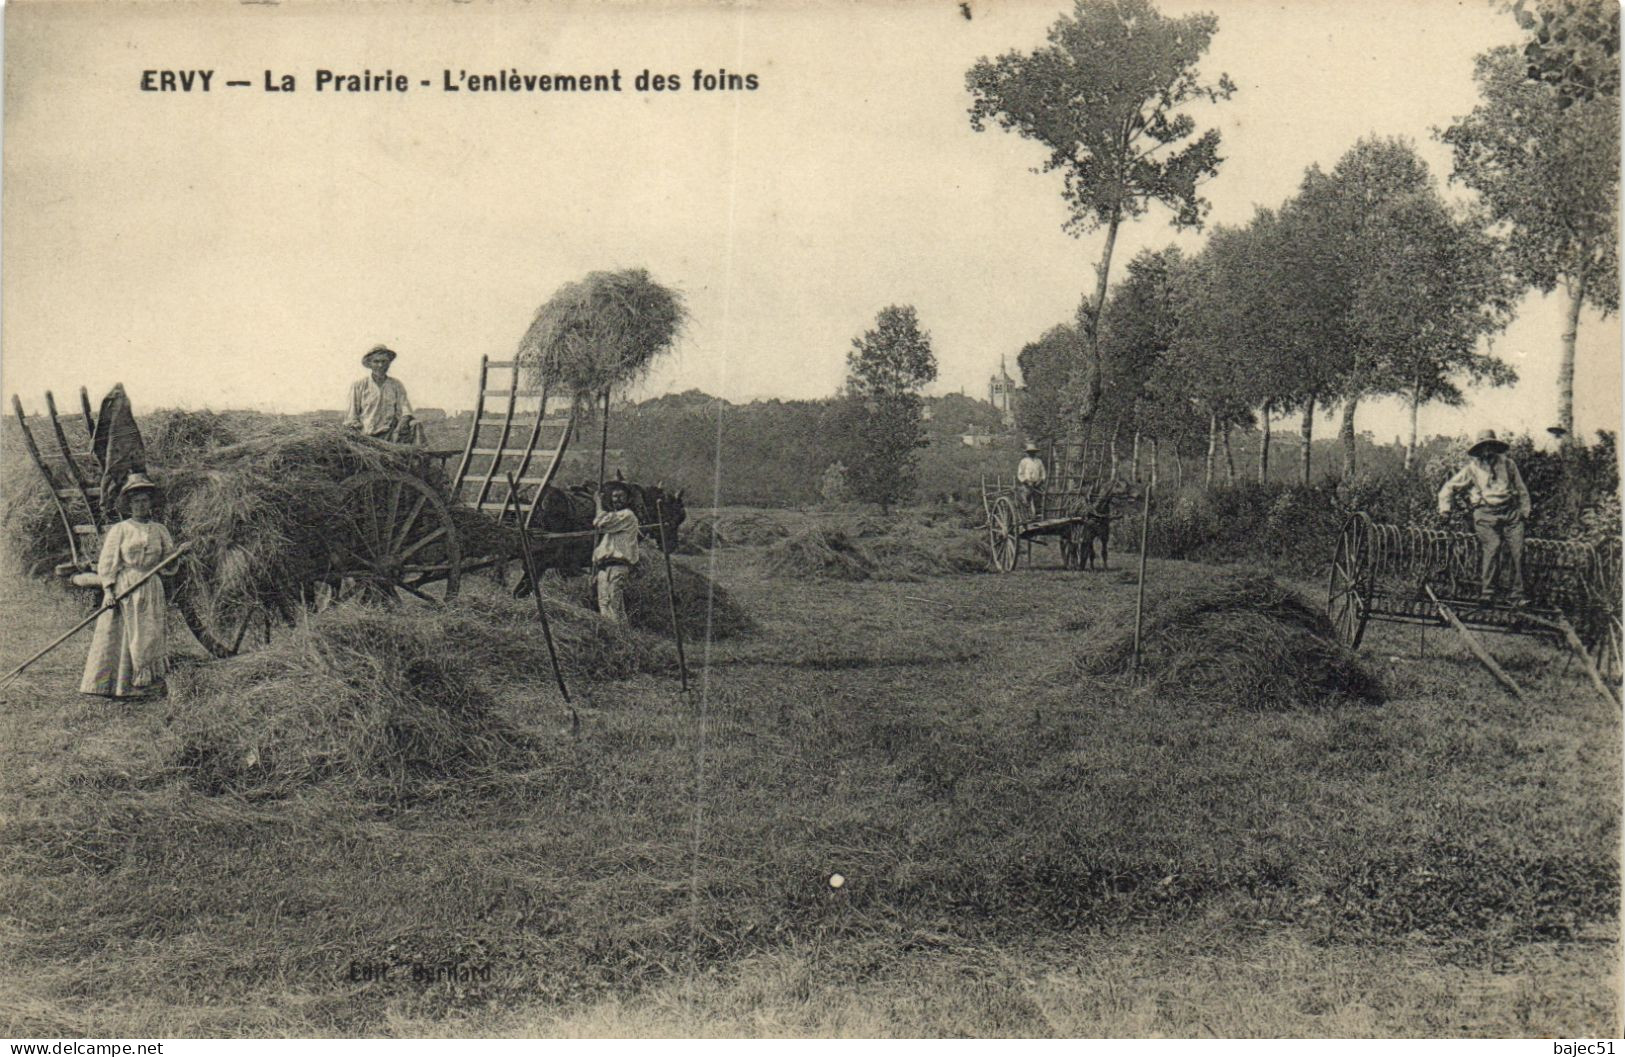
x,y
1071,507
1411,575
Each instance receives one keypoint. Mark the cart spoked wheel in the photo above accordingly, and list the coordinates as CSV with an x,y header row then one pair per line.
x,y
223,607
1004,535
1345,604
396,541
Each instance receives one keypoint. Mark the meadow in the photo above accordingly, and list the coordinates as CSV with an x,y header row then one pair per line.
x,y
899,807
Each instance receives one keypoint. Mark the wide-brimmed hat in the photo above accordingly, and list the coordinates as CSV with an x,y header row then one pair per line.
x,y
379,350
1032,448
1487,441
138,482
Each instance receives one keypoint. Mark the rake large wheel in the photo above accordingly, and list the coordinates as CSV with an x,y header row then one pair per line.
x,y
397,541
1004,535
1346,604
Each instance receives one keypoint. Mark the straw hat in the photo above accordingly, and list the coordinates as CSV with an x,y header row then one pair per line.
x,y
138,482
1487,440
378,350
1031,448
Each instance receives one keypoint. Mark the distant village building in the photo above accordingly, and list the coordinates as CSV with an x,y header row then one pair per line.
x,y
975,437
430,414
1001,393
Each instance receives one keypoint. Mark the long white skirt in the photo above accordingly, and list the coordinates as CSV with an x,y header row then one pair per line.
x,y
130,649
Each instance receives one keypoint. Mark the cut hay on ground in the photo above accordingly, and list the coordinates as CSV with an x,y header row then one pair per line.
x,y
388,701
872,549
603,331
748,528
1230,639
703,608
361,698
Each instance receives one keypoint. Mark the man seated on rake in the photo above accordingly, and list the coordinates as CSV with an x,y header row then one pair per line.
x,y
377,404
616,553
1500,506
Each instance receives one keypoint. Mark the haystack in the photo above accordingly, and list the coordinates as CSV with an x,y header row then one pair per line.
x,y
703,607
871,549
601,332
819,553
735,529
1227,640
383,703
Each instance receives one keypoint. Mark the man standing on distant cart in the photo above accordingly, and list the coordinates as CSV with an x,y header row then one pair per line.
x,y
378,405
1030,478
1500,505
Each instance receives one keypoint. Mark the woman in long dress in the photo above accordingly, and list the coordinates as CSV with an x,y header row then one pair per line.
x,y
130,651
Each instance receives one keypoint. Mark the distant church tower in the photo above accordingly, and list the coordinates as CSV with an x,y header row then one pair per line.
x,y
1001,393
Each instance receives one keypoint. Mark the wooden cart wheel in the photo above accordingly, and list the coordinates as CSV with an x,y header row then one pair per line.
x,y
222,607
1345,606
397,541
1004,535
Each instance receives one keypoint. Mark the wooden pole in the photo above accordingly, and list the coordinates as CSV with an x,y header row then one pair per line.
x,y
85,623
529,563
1572,637
603,447
1478,649
1139,595
671,593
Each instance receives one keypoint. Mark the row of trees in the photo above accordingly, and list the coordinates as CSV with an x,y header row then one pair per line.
x,y
1365,283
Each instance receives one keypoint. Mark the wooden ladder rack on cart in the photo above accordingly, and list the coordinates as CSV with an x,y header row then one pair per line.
x,y
502,443
76,493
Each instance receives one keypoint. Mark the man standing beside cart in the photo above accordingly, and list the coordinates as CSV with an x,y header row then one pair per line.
x,y
616,552
1500,506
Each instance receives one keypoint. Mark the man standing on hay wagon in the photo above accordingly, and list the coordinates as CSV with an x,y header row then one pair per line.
x,y
1030,478
129,653
616,552
378,405
1500,505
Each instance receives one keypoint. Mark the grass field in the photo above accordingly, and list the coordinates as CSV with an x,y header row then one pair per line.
x,y
1025,850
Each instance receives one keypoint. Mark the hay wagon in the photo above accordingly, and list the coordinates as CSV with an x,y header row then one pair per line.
x,y
408,532
1411,575
1071,508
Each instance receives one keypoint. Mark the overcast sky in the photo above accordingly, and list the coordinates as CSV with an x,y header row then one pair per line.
x,y
242,248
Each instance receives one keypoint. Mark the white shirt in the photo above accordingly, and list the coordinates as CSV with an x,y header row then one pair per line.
x,y
1031,470
376,408
620,536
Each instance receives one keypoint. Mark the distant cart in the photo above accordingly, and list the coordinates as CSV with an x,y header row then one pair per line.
x,y
1070,509
1412,575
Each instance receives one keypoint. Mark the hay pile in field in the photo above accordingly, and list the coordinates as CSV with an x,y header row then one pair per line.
x,y
871,549
388,702
172,436
383,703
603,331
1227,639
748,528
35,538
819,553
703,607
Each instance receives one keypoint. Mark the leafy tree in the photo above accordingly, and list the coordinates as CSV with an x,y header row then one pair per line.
x,y
1547,168
1106,98
1573,47
1046,366
885,371
1137,334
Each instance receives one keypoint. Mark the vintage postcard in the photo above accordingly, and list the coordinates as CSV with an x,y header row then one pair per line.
x,y
994,518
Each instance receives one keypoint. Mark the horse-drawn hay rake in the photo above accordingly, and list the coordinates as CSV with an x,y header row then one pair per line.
x,y
1411,575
